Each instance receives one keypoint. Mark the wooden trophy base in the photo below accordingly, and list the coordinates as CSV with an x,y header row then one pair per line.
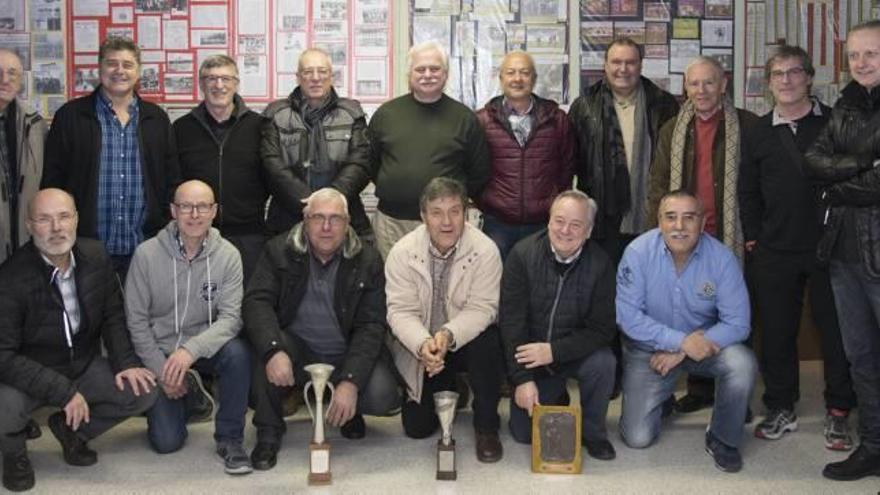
x,y
446,461
319,464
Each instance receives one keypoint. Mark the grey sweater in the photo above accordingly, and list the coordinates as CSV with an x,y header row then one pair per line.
x,y
171,302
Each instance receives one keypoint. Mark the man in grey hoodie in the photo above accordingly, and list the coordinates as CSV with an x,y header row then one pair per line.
x,y
183,302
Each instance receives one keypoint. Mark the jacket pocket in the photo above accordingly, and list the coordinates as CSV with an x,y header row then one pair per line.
x,y
337,143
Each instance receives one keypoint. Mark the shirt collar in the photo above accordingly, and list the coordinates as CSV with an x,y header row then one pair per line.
x,y
512,111
780,120
569,260
132,107
67,274
182,247
436,252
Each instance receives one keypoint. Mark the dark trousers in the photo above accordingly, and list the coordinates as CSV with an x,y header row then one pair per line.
x,y
778,280
378,398
506,235
250,247
120,266
108,406
595,377
858,305
482,359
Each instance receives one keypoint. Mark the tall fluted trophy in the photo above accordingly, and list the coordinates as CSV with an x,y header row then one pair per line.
x,y
444,405
319,449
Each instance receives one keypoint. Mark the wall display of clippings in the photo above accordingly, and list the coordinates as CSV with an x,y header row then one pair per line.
x,y
265,37
33,30
818,26
477,34
671,33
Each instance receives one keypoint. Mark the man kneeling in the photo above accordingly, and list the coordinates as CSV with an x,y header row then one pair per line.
x,y
59,300
683,306
317,295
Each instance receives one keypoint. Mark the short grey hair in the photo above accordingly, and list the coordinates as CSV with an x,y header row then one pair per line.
x,y
442,187
317,50
704,60
217,60
580,197
326,194
427,46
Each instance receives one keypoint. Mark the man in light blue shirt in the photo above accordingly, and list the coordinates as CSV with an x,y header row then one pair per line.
x,y
682,305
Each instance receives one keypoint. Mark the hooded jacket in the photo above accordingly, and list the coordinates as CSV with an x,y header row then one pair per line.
x,y
171,302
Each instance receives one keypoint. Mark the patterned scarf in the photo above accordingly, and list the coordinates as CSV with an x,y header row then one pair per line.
x,y
732,228
617,182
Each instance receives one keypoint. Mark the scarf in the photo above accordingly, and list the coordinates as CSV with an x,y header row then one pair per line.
x,y
317,164
616,176
634,220
731,229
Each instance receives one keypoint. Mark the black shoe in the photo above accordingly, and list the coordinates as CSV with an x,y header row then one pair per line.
x,y
354,429
18,473
76,452
264,456
488,446
32,430
726,458
668,407
693,403
600,449
198,402
859,464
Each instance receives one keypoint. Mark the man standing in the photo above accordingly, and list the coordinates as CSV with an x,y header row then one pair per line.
x,y
59,301
699,151
532,149
683,306
183,301
617,123
844,161
557,321
115,153
318,296
442,285
419,136
218,142
22,134
315,139
781,227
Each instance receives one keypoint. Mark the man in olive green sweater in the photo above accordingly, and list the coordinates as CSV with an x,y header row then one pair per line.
x,y
419,136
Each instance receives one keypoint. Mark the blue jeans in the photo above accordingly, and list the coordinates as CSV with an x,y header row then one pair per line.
x,y
595,377
644,390
506,235
166,421
858,308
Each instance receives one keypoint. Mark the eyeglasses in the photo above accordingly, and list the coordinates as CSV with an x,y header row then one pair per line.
x,y
10,74
319,72
319,219
226,80
793,73
188,208
63,219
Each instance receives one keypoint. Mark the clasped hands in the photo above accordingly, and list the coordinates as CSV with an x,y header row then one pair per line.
x,y
695,346
432,354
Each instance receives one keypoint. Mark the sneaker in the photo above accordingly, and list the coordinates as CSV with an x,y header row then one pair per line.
x,y
198,402
76,452
837,436
859,464
726,458
776,423
234,457
18,473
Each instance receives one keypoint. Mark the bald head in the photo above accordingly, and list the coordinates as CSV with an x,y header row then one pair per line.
x,y
50,197
194,187
52,222
11,76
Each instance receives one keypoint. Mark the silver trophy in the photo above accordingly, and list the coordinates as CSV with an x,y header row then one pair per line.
x,y
444,405
319,450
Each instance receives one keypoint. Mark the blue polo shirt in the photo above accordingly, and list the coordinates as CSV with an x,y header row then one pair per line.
x,y
657,307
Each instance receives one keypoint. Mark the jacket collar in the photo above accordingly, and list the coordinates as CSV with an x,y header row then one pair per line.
x,y
542,109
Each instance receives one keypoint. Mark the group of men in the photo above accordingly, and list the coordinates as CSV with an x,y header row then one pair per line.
x,y
119,228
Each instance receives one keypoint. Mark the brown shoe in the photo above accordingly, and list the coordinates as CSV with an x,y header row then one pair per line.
x,y
488,446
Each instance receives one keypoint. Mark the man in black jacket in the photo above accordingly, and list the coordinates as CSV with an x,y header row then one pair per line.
x,y
844,161
218,142
557,321
315,139
115,153
59,300
318,296
781,227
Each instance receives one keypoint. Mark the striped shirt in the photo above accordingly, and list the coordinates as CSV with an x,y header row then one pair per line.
x,y
120,180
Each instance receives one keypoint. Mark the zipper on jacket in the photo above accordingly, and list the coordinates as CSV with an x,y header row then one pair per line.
x,y
560,282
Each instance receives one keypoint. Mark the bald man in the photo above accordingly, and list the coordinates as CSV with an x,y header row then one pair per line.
x,y
183,301
59,301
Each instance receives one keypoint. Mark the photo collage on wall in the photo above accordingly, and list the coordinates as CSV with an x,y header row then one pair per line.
x,y
671,33
477,34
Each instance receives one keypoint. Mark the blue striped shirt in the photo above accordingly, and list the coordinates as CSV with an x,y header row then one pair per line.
x,y
120,181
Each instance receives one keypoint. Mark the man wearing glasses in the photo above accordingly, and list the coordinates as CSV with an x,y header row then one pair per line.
x,y
183,303
115,153
315,139
219,143
318,296
781,228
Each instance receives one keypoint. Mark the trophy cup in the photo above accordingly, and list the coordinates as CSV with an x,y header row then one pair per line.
x,y
444,404
319,450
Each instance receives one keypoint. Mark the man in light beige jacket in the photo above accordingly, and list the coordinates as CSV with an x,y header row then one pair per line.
x,y
442,289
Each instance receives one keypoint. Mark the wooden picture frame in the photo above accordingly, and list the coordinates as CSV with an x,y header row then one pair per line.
x,y
556,439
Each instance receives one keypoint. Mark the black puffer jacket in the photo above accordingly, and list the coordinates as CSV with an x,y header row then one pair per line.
x,y
572,309
842,162
279,284
34,355
285,149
